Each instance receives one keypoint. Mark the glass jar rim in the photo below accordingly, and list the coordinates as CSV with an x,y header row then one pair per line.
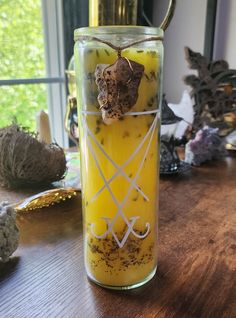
x,y
117,30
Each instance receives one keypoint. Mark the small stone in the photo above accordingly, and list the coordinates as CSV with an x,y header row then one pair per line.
x,y
9,233
118,87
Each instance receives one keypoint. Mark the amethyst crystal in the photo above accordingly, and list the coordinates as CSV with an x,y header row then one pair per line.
x,y
207,145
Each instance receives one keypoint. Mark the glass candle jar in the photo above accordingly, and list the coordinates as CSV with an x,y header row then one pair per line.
x,y
119,160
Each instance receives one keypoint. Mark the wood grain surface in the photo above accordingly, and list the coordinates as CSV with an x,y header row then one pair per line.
x,y
196,275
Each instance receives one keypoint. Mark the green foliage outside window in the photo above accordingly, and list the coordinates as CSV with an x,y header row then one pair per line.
x,y
21,56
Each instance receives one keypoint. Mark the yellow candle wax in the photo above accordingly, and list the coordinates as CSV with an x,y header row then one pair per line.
x,y
119,167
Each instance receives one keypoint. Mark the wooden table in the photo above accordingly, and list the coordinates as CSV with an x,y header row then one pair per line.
x,y
196,275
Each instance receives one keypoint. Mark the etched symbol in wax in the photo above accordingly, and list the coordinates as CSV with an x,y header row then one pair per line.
x,y
144,145
130,230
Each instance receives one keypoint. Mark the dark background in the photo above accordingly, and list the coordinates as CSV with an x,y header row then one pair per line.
x,y
76,15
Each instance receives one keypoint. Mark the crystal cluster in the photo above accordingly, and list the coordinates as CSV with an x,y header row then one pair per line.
x,y
206,145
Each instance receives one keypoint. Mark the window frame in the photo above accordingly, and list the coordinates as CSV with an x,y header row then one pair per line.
x,y
52,21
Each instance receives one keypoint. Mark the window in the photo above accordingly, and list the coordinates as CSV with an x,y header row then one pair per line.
x,y
32,63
